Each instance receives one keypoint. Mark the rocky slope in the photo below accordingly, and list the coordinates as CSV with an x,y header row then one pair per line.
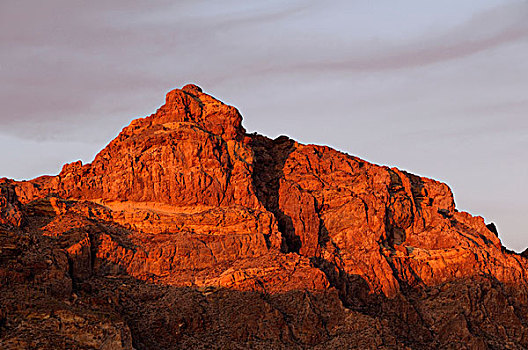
x,y
187,231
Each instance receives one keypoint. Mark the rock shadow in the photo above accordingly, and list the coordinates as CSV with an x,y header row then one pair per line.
x,y
160,316
268,170
418,190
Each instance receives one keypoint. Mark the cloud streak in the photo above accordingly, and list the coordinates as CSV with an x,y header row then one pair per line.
x,y
485,31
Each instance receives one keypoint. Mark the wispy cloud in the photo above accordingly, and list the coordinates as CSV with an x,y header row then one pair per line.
x,y
484,31
76,66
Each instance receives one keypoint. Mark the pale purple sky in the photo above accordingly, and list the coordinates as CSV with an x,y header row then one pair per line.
x,y
436,88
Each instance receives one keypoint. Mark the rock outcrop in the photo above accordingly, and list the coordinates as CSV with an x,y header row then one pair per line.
x,y
187,231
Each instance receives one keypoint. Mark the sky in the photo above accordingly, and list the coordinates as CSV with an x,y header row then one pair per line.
x,y
437,88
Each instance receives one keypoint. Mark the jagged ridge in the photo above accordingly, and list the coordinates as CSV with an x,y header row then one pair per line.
x,y
186,199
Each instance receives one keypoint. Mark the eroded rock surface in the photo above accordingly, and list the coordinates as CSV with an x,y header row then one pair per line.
x,y
185,231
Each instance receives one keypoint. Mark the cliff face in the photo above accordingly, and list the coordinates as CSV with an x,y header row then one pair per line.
x,y
186,231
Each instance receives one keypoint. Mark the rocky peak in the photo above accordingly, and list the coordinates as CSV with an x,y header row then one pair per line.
x,y
193,152
190,104
192,89
187,222
187,153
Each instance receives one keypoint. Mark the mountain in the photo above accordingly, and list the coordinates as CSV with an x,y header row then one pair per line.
x,y
186,231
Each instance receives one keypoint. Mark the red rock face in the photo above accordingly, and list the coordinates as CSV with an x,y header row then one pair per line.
x,y
10,213
184,228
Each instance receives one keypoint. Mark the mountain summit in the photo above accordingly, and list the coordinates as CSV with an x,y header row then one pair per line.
x,y
185,231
